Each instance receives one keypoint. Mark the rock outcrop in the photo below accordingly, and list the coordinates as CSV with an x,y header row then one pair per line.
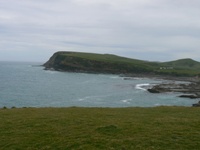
x,y
196,105
189,96
190,90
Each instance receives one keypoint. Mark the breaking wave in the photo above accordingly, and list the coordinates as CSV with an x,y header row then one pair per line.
x,y
143,86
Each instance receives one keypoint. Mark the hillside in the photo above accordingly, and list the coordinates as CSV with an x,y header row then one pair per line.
x,y
184,67
184,63
112,64
158,128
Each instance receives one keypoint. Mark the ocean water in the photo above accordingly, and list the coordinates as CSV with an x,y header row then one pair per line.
x,y
28,85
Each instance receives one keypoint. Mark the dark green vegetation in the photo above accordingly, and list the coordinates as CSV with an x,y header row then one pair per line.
x,y
106,63
100,128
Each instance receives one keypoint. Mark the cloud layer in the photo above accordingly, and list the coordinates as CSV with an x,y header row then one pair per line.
x,y
158,30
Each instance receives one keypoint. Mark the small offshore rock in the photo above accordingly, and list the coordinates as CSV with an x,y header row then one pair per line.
x,y
189,96
196,105
153,90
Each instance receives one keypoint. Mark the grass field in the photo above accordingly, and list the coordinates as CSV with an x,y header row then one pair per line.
x,y
100,128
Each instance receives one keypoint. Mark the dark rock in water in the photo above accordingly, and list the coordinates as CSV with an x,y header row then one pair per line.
x,y
191,89
153,90
189,96
196,105
161,88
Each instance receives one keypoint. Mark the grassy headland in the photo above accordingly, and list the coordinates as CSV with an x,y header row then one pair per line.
x,y
107,63
100,128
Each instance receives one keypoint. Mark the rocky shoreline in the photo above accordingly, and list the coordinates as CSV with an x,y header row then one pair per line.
x,y
189,88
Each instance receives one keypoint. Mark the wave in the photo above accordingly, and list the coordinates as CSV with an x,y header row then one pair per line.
x,y
93,97
133,78
87,98
142,86
116,77
126,100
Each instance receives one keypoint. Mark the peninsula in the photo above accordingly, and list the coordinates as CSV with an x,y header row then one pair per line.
x,y
112,64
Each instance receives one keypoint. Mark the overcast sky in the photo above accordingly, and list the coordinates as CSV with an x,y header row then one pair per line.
x,y
155,30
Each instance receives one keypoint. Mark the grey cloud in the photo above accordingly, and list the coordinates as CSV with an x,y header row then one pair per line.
x,y
143,28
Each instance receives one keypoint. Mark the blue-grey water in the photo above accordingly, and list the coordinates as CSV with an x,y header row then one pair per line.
x,y
28,85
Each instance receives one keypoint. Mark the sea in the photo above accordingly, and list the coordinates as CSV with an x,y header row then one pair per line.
x,y
26,84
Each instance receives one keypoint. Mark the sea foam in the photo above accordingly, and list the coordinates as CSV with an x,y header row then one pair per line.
x,y
142,86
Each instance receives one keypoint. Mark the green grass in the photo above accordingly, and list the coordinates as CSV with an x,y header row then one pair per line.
x,y
165,128
109,58
183,64
104,57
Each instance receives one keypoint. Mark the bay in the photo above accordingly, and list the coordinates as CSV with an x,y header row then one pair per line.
x,y
29,85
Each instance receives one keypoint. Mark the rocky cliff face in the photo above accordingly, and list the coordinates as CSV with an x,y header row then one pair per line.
x,y
59,61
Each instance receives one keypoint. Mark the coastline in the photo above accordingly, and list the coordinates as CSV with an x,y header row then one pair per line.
x,y
188,87
161,77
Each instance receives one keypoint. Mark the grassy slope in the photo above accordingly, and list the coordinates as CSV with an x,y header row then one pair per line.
x,y
113,59
104,57
184,63
100,128
183,67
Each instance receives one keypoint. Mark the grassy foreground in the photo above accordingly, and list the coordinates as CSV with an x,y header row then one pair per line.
x,y
100,128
